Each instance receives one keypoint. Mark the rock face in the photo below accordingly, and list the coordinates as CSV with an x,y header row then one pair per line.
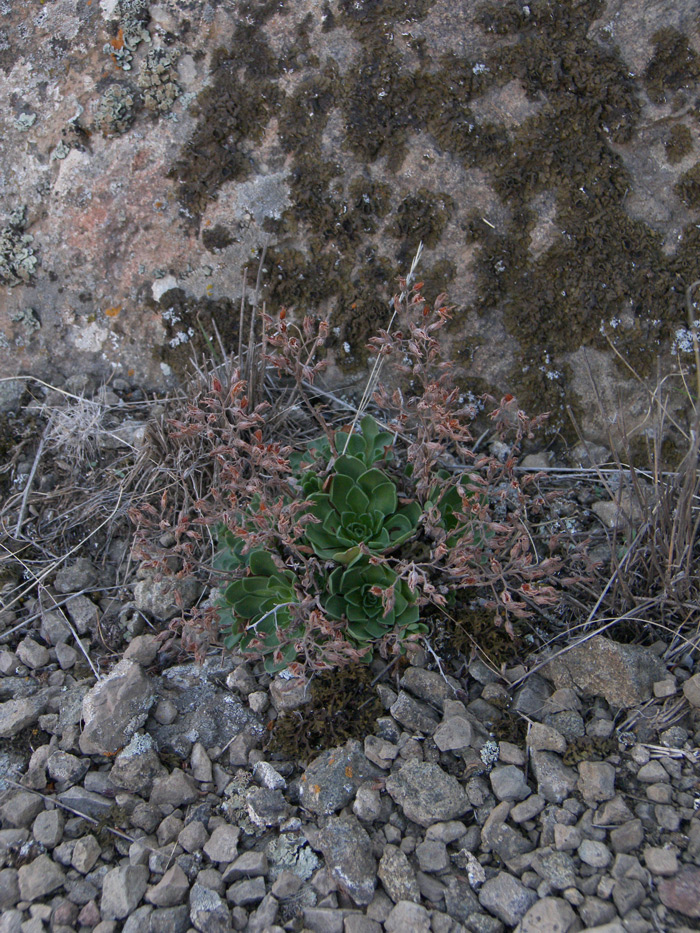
x,y
115,708
145,165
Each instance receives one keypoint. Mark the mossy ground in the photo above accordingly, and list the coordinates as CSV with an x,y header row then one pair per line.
x,y
601,263
344,705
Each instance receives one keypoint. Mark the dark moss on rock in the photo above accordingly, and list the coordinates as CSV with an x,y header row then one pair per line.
x,y
233,112
674,65
380,106
688,187
365,15
420,217
217,237
306,111
193,327
679,143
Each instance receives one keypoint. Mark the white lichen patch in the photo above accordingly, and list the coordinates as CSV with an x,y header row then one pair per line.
x,y
89,338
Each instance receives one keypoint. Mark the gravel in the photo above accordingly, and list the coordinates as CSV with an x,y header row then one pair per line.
x,y
428,824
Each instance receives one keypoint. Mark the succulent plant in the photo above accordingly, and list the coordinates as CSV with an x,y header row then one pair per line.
x,y
370,446
357,594
360,507
256,607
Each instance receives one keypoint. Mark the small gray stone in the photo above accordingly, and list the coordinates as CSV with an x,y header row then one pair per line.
x,y
426,793
623,674
558,868
266,807
612,812
432,855
86,852
21,809
193,837
171,890
115,709
222,846
174,789
593,853
367,805
661,861
262,919
80,575
508,783
143,648
548,915
83,613
555,781
16,715
528,808
691,690
627,837
406,916
348,853
170,920
288,694
32,654
208,912
380,751
166,598
137,765
247,892
86,802
414,715
397,876
652,772
48,828
429,686
9,888
596,781
331,780
627,894
122,890
323,920
286,885
267,776
453,733
139,920
506,898
507,842
40,877
66,769
200,763
250,864
545,738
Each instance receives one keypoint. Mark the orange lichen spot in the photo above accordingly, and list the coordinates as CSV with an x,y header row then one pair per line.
x,y
113,312
331,760
348,771
129,372
316,788
117,42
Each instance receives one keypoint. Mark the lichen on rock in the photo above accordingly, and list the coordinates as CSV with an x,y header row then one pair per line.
x,y
17,259
158,80
116,110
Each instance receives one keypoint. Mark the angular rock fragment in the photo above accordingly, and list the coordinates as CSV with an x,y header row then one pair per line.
x,y
115,709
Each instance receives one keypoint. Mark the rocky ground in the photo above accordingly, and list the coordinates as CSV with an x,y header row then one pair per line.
x,y
146,800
